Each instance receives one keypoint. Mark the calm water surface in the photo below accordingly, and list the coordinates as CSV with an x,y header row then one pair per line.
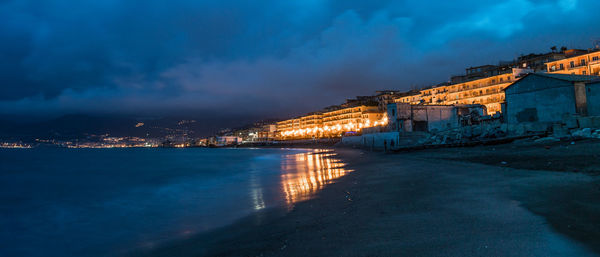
x,y
108,202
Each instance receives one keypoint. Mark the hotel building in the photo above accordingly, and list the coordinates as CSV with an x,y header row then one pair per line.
x,y
333,122
486,91
582,64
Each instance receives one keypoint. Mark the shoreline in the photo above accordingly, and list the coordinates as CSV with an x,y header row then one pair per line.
x,y
391,200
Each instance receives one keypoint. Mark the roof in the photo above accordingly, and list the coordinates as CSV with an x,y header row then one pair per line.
x,y
567,77
563,77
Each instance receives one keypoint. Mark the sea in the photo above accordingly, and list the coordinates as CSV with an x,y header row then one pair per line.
x,y
112,202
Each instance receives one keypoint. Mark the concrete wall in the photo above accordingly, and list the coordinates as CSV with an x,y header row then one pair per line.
x,y
383,141
441,118
426,118
539,99
593,99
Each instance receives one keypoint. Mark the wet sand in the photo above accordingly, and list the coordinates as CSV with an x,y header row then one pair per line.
x,y
413,205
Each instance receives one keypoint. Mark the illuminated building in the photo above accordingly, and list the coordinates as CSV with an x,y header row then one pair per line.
x,y
581,64
311,120
351,119
267,132
285,125
412,97
485,91
331,123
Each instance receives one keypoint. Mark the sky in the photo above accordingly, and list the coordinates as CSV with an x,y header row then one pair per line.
x,y
259,59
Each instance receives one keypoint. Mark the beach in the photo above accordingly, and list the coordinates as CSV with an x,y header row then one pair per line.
x,y
414,204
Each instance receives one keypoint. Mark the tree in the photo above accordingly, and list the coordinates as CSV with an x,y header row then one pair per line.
x,y
563,48
553,48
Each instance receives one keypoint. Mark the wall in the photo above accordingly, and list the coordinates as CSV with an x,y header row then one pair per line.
x,y
593,99
427,118
539,99
375,141
440,118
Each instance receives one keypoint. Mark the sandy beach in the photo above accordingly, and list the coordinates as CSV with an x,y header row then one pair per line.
x,y
411,204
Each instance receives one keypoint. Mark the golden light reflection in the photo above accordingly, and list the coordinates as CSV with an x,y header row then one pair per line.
x,y
306,173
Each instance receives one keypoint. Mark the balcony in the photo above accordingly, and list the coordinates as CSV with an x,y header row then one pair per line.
x,y
577,66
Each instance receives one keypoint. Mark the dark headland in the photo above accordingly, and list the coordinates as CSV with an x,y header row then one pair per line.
x,y
477,201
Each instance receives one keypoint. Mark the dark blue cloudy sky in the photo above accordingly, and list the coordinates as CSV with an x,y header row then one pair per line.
x,y
259,58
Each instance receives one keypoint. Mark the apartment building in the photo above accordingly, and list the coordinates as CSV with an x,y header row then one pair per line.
x,y
331,123
582,64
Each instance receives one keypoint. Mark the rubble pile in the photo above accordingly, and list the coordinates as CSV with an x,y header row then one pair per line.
x,y
466,134
586,133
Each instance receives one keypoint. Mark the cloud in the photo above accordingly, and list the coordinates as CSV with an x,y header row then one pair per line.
x,y
265,58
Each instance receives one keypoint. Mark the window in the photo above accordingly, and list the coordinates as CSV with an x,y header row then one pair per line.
x,y
583,73
572,64
595,58
582,62
562,66
553,67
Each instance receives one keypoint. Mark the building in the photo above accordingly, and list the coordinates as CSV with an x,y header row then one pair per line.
x,y
311,120
587,63
486,91
267,132
228,140
543,97
480,72
385,97
350,119
331,123
537,62
405,117
410,97
593,98
534,62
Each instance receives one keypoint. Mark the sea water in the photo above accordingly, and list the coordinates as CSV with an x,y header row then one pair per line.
x,y
109,202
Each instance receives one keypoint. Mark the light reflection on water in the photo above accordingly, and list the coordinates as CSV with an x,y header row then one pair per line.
x,y
306,173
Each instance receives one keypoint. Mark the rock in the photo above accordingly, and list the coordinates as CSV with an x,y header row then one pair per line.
x,y
546,140
584,132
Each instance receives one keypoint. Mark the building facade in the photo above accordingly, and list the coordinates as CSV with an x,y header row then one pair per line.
x,y
583,64
548,97
405,117
486,91
331,123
